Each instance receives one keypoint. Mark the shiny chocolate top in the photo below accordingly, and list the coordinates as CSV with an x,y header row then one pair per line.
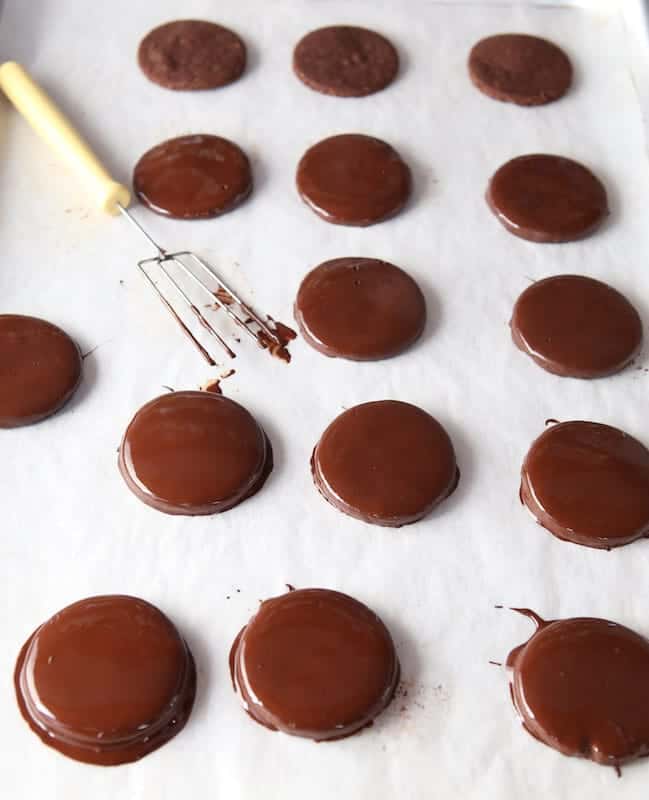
x,y
360,308
193,177
40,367
194,453
352,179
106,680
582,686
387,463
314,663
547,198
588,483
576,326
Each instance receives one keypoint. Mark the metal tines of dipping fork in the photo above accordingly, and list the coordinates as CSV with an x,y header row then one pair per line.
x,y
218,292
114,198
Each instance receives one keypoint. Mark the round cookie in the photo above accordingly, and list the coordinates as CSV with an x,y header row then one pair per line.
x,y
387,463
40,368
591,331
362,309
546,198
581,686
193,177
521,69
191,54
106,680
588,483
314,663
352,179
194,453
345,61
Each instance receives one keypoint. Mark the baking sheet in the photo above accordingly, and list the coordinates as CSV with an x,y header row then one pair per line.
x,y
70,527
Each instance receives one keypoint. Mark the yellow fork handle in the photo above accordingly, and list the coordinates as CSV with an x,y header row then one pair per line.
x,y
60,134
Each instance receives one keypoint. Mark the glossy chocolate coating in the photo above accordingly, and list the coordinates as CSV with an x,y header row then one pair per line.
x,y
576,326
345,61
314,663
581,686
40,368
191,54
106,680
588,483
193,177
360,308
388,463
194,453
352,179
547,198
521,69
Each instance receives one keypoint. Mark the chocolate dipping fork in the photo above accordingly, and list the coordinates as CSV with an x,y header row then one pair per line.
x,y
60,134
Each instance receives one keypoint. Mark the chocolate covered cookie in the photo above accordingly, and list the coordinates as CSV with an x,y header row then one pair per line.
x,y
314,663
362,309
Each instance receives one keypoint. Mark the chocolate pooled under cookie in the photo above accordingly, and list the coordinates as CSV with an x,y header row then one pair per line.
x,y
191,54
521,69
345,61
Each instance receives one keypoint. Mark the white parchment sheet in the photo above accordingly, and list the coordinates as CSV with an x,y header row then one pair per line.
x,y
70,528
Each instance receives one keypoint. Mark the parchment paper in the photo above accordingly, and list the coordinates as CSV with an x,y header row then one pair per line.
x,y
70,528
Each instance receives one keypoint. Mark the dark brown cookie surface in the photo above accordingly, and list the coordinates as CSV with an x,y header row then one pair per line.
x,y
576,326
194,453
345,61
314,663
360,308
521,69
40,368
106,680
547,198
191,54
193,177
588,483
387,463
353,179
581,686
